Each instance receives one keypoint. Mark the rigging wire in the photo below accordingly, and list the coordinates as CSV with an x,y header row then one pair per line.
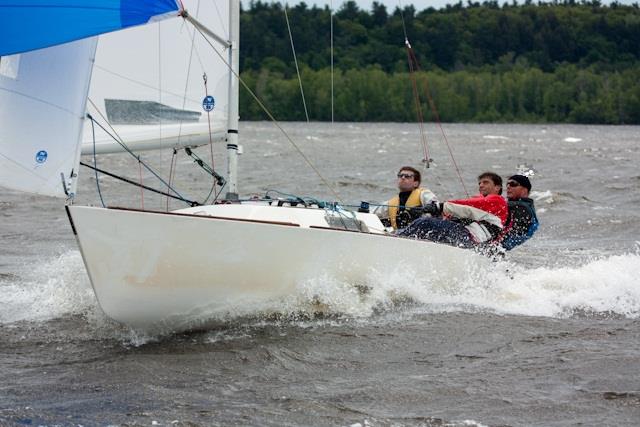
x,y
273,119
194,50
129,181
217,178
171,172
414,66
141,186
223,24
206,94
435,113
295,60
119,140
95,163
416,98
160,102
186,80
331,31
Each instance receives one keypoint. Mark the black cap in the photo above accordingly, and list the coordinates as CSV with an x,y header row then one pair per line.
x,y
522,180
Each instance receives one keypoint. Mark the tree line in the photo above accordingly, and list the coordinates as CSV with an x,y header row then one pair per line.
x,y
558,62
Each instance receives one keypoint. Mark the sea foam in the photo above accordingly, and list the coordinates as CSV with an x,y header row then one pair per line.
x,y
608,285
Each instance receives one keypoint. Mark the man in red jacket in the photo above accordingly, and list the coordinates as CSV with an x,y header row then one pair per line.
x,y
466,222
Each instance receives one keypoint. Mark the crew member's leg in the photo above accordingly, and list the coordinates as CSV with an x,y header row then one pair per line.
x,y
439,230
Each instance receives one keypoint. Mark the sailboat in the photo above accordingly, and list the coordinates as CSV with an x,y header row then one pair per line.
x,y
171,270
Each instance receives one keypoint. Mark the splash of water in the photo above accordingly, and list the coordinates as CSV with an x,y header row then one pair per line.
x,y
608,285
48,290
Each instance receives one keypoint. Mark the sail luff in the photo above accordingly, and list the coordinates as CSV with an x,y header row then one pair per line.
x,y
72,180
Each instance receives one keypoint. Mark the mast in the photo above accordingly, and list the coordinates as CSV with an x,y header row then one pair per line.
x,y
233,118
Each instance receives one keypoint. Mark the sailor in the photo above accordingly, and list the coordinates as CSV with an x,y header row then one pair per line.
x,y
465,223
522,221
397,212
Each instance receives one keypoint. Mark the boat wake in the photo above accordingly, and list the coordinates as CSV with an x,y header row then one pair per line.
x,y
606,286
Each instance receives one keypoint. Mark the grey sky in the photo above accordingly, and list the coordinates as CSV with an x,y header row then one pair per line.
x,y
419,4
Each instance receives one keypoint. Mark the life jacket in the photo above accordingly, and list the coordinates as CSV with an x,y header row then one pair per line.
x,y
413,201
510,237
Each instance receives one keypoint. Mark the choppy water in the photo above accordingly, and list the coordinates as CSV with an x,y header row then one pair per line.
x,y
550,338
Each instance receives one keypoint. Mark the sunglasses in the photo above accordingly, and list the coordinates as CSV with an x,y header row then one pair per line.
x,y
406,175
513,184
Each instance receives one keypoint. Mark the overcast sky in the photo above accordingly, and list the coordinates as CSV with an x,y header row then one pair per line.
x,y
419,4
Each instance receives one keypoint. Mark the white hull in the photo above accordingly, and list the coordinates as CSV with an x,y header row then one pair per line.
x,y
174,270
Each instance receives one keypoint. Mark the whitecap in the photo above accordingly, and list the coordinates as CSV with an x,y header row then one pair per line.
x,y
542,196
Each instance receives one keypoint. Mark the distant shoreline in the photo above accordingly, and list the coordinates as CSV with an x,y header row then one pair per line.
x,y
564,62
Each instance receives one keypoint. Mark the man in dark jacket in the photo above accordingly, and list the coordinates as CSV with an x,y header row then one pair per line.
x,y
522,221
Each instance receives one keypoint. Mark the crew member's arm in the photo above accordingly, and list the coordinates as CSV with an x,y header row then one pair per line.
x,y
492,208
427,196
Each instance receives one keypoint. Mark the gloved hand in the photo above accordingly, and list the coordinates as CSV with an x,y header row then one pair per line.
x,y
433,208
404,218
416,212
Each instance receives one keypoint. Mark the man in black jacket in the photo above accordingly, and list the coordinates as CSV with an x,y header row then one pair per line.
x,y
522,221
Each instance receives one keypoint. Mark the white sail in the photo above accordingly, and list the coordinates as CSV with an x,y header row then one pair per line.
x,y
148,82
43,97
145,137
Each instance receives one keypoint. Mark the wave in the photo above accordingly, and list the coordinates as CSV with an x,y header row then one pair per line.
x,y
46,291
608,286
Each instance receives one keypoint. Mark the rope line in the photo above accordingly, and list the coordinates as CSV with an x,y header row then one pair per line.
x,y
268,113
416,98
128,181
119,140
95,163
414,66
186,80
332,85
206,93
295,60
141,186
434,110
171,172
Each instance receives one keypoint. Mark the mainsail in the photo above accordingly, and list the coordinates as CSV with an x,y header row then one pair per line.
x,y
148,82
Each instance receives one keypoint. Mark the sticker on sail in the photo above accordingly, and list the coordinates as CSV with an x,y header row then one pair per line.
x,y
208,103
41,156
9,66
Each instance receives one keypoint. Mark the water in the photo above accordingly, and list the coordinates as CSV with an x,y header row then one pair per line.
x,y
549,338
